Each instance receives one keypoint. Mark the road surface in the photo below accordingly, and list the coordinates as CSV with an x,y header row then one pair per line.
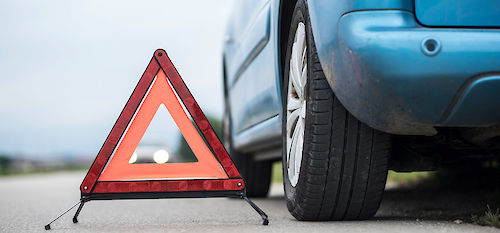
x,y
28,202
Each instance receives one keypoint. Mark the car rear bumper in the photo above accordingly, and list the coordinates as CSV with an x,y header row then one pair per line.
x,y
387,75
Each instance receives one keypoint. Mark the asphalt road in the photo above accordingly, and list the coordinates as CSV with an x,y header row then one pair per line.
x,y
28,202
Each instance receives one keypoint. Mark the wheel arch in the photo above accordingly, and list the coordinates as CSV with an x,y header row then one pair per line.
x,y
285,13
226,128
285,17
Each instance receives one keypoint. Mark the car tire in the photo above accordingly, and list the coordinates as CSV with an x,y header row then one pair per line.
x,y
257,174
341,171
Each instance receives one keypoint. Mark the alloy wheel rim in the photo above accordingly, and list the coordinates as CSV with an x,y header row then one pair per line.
x,y
296,104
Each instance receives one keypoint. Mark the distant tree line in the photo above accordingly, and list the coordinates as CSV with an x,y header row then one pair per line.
x,y
183,149
4,164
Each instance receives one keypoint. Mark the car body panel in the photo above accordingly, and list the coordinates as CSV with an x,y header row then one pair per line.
x,y
479,102
250,43
252,75
380,74
325,14
264,135
469,13
373,56
258,94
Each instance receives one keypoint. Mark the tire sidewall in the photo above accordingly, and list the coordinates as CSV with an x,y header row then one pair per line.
x,y
292,194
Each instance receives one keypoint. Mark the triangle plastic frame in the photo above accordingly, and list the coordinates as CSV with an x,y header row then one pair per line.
x,y
93,189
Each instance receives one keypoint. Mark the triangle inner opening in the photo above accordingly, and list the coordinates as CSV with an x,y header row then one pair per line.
x,y
162,142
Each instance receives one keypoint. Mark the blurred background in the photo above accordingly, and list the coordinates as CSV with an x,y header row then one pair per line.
x,y
67,69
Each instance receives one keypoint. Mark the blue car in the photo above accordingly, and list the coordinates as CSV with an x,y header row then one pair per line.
x,y
342,91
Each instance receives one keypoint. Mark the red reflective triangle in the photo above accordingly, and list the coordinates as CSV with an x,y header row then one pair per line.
x,y
111,171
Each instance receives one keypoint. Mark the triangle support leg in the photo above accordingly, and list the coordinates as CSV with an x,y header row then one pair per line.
x,y
75,218
47,227
265,219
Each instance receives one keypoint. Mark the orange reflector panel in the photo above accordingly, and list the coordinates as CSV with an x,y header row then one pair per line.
x,y
119,167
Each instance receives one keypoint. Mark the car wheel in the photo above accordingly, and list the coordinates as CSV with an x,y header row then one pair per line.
x,y
257,174
334,166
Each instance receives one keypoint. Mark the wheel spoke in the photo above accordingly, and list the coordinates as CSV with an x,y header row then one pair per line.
x,y
300,41
297,61
293,103
303,76
299,132
291,156
302,110
293,149
304,55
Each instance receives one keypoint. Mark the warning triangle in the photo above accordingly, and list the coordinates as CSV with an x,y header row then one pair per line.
x,y
114,174
161,87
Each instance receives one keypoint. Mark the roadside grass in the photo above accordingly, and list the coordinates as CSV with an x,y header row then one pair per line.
x,y
396,178
276,173
489,218
399,179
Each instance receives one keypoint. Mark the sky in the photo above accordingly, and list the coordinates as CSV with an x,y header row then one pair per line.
x,y
67,68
